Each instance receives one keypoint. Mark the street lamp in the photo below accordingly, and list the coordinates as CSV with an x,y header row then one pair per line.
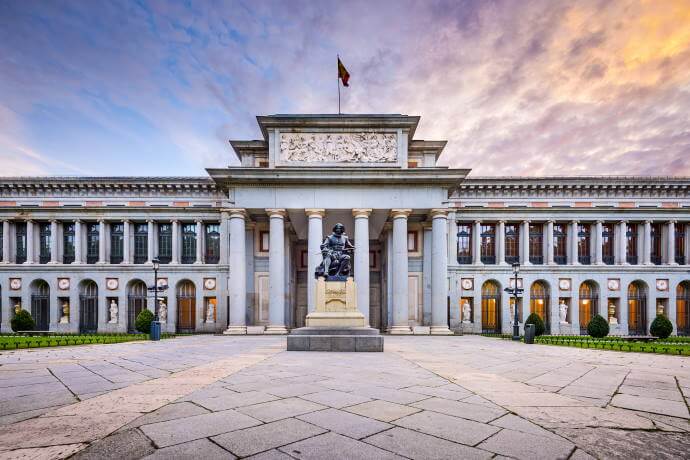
x,y
516,324
155,333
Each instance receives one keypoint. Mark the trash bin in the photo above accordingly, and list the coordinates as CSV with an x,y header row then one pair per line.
x,y
155,333
529,333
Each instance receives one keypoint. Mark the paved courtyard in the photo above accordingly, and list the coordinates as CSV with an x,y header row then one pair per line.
x,y
425,397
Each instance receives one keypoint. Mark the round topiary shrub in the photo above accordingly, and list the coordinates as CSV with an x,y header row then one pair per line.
x,y
539,327
143,321
22,321
661,327
598,327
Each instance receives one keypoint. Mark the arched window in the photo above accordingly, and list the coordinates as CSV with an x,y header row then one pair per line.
x,y
589,303
136,303
40,304
88,307
683,308
491,307
539,301
637,308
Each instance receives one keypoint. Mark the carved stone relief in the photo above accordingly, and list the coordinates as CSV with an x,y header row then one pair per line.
x,y
362,147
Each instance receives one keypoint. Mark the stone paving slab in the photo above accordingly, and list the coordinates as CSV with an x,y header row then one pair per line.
x,y
201,448
447,427
413,444
382,410
655,405
331,445
346,423
283,408
527,446
460,409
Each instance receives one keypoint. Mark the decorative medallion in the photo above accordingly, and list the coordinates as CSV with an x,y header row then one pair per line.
x,y
564,284
15,284
662,285
614,284
467,284
112,283
63,284
209,284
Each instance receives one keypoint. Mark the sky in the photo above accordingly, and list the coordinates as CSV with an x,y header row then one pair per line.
x,y
518,88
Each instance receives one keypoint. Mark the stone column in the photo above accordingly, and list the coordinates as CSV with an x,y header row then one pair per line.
x,y
599,248
101,242
77,246
647,243
175,242
224,237
671,241
237,323
400,273
149,241
477,243
452,239
276,272
573,243
361,262
199,242
29,242
524,243
315,238
623,243
501,243
549,242
5,241
126,243
439,273
686,229
53,242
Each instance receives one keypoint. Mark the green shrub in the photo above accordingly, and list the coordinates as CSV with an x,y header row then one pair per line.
x,y
661,327
598,327
539,327
143,321
22,321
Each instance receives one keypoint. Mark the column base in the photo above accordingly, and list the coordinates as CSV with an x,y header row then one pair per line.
x,y
400,330
197,262
276,330
6,328
53,262
235,330
441,330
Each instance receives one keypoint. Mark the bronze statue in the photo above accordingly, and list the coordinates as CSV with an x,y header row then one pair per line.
x,y
335,250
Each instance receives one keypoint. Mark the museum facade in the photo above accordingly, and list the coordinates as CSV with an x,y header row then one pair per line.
x,y
434,248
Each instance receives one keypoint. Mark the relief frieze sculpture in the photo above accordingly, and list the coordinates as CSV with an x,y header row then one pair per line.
x,y
360,147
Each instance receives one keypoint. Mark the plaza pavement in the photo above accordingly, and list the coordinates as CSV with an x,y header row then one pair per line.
x,y
424,397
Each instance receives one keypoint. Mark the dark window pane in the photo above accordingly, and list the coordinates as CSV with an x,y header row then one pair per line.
x,y
44,242
584,239
20,228
536,244
512,239
680,244
141,243
165,243
560,234
92,242
116,243
488,244
656,244
212,243
608,243
631,235
188,243
68,243
464,243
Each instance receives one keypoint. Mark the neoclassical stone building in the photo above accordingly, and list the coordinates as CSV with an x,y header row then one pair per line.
x,y
238,248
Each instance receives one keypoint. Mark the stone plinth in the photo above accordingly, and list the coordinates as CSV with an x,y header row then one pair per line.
x,y
336,305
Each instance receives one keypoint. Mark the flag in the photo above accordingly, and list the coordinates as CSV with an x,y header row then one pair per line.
x,y
343,74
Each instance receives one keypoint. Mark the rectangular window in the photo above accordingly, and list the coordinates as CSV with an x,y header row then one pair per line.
x,y
412,241
631,244
464,243
560,235
212,255
512,243
656,244
92,243
607,243
264,240
165,243
488,244
117,243
141,243
188,243
536,244
44,242
680,244
584,239
20,229
68,242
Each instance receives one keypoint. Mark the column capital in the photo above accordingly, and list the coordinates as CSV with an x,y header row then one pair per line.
x,y
439,212
400,213
526,221
125,221
53,221
673,221
236,213
599,221
575,221
276,212
648,221
551,221
361,212
623,221
478,221
502,221
315,212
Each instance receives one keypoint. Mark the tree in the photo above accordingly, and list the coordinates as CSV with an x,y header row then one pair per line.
x,y
661,327
22,321
143,321
539,327
598,327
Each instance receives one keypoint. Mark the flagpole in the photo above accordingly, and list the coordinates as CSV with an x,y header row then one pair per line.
x,y
338,78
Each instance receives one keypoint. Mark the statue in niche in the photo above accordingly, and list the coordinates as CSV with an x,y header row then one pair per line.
x,y
563,312
162,312
466,311
64,319
335,249
113,312
210,311
612,314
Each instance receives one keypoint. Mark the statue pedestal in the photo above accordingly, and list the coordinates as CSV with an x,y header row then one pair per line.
x,y
336,324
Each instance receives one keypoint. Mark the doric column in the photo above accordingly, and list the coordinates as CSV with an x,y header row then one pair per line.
x,y
439,273
224,237
126,243
647,243
199,241
101,241
671,241
623,242
314,240
452,239
175,242
501,243
524,243
149,241
477,243
573,243
599,249
5,241
276,272
549,242
361,263
77,242
53,242
400,277
29,242
237,323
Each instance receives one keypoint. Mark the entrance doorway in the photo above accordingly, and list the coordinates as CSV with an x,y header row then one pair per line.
x,y
186,307
491,303
637,308
88,307
136,303
40,304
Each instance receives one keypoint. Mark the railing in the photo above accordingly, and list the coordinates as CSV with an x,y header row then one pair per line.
x,y
632,260
536,260
680,260
116,258
464,260
489,260
139,259
584,260
512,259
212,259
68,259
188,259
656,260
560,260
91,259
44,258
609,260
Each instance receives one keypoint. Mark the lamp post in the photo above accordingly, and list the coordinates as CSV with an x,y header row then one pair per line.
x,y
516,324
155,333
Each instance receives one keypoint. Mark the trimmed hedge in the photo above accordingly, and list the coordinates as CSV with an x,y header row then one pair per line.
x,y
598,327
143,321
670,347
661,327
22,321
11,342
539,327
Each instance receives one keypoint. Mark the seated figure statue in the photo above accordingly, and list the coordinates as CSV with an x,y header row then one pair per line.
x,y
335,249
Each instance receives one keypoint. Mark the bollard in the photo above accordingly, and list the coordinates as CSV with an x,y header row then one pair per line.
x,y
529,333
